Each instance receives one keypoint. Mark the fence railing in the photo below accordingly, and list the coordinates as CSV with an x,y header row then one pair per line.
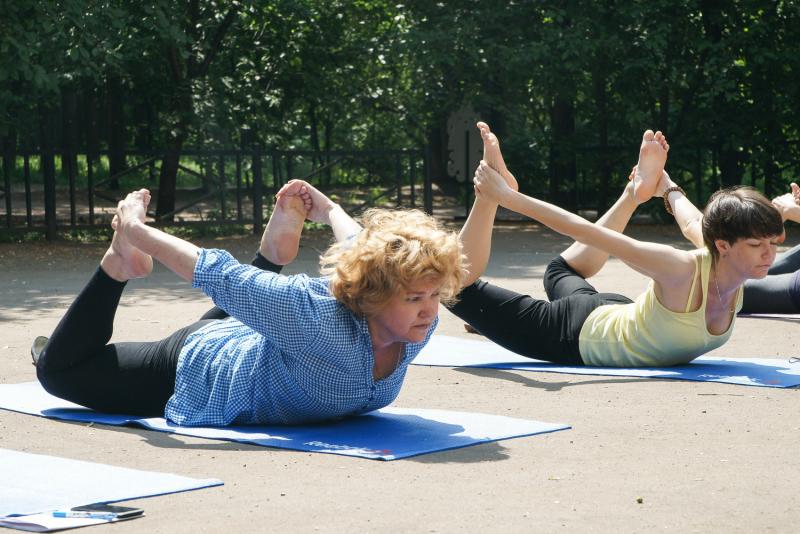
x,y
52,191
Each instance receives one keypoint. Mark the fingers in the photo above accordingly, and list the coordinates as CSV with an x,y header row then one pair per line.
x,y
488,183
292,187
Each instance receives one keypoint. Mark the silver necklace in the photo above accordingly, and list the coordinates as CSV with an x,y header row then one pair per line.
x,y
719,296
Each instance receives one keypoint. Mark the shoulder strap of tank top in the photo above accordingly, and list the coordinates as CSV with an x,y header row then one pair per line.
x,y
697,268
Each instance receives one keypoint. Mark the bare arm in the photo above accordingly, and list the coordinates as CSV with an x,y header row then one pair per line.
x,y
789,204
177,255
344,227
666,265
688,217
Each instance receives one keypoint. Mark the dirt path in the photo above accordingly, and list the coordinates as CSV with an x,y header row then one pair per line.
x,y
642,456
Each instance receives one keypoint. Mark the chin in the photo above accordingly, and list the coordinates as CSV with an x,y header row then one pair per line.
x,y
415,337
760,273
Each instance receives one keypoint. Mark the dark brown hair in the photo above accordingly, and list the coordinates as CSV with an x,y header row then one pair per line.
x,y
739,213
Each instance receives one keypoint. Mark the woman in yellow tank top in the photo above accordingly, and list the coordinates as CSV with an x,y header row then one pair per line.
x,y
690,305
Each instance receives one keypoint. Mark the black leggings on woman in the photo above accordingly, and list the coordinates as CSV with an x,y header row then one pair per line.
x,y
531,327
779,291
137,378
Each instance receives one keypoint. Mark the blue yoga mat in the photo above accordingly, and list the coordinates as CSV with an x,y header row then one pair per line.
x,y
386,434
785,316
449,351
34,483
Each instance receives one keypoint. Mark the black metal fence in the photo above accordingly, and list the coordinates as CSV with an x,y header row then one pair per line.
x,y
52,191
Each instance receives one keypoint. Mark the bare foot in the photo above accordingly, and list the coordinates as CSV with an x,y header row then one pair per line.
x,y
300,188
493,156
281,239
122,261
652,157
663,183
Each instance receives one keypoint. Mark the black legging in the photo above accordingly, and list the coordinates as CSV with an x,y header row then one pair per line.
x,y
531,327
779,291
137,378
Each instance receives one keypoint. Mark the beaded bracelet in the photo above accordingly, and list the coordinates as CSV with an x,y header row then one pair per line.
x,y
669,190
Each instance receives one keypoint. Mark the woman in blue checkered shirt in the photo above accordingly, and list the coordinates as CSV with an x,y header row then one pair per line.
x,y
276,349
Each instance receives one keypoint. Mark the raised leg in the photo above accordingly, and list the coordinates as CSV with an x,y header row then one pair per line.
x,y
281,240
86,327
652,157
587,260
494,157
476,234
122,261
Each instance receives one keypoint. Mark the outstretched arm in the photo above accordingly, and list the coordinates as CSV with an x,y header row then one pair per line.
x,y
666,265
177,255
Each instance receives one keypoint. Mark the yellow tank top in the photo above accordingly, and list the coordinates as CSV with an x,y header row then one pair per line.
x,y
646,334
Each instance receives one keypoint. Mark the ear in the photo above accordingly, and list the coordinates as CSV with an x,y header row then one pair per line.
x,y
723,247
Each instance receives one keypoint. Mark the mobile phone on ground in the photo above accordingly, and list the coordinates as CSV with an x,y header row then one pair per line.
x,y
122,512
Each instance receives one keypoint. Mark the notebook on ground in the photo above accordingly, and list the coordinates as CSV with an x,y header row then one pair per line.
x,y
449,351
386,434
34,483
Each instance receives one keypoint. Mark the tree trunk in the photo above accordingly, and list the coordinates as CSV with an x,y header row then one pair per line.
x,y
730,158
730,164
328,175
8,143
563,167
116,130
600,80
91,134
437,148
183,72
46,127
167,180
69,131
314,134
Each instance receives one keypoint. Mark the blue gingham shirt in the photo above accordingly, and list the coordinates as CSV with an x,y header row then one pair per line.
x,y
290,352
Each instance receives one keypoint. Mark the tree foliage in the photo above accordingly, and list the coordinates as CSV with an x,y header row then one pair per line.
x,y
569,86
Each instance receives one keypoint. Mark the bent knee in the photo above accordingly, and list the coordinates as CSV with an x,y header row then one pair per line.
x,y
50,379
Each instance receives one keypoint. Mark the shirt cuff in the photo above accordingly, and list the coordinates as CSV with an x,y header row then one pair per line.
x,y
209,263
